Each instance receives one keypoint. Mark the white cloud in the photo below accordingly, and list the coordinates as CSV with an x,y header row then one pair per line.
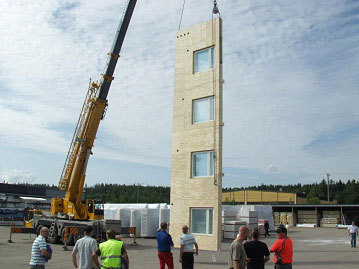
x,y
290,72
17,176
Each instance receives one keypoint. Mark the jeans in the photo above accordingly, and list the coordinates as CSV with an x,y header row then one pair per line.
x,y
283,266
38,266
353,240
165,258
187,260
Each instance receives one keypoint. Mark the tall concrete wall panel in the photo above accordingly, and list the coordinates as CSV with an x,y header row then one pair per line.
x,y
190,192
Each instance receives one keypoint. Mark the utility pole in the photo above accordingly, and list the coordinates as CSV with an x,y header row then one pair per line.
x,y
328,187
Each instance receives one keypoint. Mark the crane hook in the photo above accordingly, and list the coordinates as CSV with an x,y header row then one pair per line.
x,y
215,8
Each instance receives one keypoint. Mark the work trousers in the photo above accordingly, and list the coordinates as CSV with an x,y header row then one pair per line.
x,y
267,233
187,260
38,266
283,266
353,240
165,258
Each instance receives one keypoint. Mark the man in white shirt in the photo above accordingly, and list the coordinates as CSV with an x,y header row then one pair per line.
x,y
85,249
186,252
353,232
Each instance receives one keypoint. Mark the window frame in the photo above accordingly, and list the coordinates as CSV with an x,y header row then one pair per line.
x,y
208,209
210,164
211,58
212,109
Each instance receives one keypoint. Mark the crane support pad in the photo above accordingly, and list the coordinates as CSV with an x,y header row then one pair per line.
x,y
21,230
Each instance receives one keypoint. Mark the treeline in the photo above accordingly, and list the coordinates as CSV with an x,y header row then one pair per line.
x,y
345,192
116,193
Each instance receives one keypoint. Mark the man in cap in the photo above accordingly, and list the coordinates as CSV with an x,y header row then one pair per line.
x,y
283,249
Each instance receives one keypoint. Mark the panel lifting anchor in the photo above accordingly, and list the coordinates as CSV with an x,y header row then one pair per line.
x,y
215,8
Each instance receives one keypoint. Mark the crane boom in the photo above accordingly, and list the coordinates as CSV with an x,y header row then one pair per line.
x,y
74,172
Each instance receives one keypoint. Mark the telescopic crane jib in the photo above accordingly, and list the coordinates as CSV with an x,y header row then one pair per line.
x,y
74,172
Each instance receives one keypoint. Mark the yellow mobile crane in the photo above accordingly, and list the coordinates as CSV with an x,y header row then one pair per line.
x,y
71,211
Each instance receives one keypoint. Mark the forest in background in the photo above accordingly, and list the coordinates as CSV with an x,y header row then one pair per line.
x,y
346,192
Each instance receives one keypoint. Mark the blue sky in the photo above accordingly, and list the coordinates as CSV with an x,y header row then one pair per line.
x,y
291,89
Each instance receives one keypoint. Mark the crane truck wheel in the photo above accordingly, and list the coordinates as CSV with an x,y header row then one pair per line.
x,y
38,229
53,238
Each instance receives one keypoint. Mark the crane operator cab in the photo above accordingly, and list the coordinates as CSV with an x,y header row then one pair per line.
x,y
95,209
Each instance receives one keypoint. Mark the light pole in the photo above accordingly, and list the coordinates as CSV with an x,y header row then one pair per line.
x,y
328,187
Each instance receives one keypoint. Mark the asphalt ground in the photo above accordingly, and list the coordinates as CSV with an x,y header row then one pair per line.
x,y
313,248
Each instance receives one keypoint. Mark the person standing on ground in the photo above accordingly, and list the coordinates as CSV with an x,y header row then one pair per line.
x,y
39,250
86,248
164,244
112,251
283,249
257,251
237,253
353,232
186,251
266,228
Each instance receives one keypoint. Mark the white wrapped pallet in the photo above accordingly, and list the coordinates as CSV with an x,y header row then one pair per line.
x,y
230,235
232,227
164,215
264,212
145,222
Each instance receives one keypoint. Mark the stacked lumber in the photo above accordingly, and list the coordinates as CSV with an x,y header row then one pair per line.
x,y
276,218
307,217
291,219
330,219
283,218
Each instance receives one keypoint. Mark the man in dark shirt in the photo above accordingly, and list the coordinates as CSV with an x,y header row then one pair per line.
x,y
257,251
164,244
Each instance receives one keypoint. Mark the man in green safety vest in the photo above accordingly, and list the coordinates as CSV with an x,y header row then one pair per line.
x,y
111,253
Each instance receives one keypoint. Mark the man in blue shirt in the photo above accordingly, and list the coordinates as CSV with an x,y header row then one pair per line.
x,y
164,244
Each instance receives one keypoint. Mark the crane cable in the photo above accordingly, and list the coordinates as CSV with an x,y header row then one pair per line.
x,y
179,25
215,157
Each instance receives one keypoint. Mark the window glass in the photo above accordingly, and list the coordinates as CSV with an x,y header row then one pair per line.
x,y
204,60
210,221
203,164
199,219
212,57
200,164
203,109
202,220
211,163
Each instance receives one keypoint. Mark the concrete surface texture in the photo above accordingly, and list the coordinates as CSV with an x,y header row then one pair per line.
x,y
187,190
313,248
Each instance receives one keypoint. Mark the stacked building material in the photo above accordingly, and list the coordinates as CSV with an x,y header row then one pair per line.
x,y
231,229
228,215
276,218
330,219
250,218
308,217
283,218
291,219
